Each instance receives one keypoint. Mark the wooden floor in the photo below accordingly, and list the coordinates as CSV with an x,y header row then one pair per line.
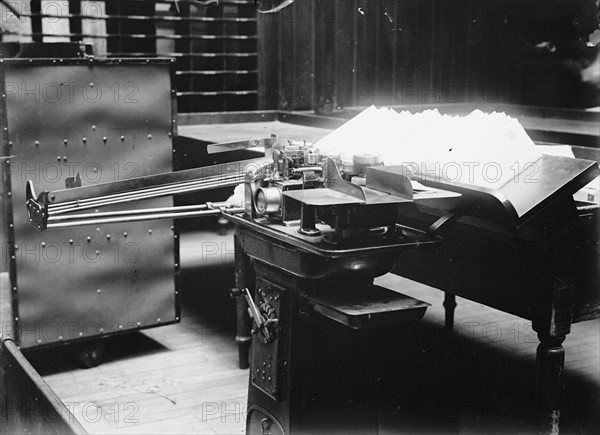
x,y
184,378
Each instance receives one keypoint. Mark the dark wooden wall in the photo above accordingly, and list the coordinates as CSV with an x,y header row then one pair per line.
x,y
320,54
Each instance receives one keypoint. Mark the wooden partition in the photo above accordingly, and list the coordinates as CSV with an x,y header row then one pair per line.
x,y
28,404
323,54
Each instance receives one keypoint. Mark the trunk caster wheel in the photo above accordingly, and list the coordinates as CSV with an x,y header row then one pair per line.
x,y
89,355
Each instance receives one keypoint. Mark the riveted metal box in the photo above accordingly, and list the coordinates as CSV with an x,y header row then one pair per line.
x,y
108,120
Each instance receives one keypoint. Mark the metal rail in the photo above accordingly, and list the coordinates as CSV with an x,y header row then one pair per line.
x,y
62,208
171,213
176,189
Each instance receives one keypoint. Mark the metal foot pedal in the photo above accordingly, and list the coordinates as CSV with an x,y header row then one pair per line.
x,y
367,306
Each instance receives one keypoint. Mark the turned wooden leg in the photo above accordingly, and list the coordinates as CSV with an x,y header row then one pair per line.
x,y
552,327
550,364
552,322
449,306
243,279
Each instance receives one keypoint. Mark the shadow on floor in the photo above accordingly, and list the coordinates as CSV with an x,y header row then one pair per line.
x,y
206,280
63,358
435,381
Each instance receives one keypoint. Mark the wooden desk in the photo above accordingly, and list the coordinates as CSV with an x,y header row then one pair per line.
x,y
551,286
248,130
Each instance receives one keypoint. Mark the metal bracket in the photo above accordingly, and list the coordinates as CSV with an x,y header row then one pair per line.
x,y
442,223
37,208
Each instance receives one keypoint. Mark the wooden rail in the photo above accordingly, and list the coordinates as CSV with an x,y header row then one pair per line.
x,y
28,404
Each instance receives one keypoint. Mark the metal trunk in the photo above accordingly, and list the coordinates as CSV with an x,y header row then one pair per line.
x,y
107,120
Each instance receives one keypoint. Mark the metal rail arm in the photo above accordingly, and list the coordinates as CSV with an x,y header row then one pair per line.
x,y
62,208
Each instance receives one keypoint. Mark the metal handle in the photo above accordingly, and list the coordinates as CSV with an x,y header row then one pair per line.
x,y
253,310
264,323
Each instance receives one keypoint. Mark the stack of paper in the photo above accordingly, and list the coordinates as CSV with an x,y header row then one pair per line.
x,y
482,149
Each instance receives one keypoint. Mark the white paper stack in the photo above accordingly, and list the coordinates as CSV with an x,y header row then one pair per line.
x,y
482,149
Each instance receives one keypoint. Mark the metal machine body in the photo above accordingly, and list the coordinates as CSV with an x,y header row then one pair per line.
x,y
307,249
105,120
311,306
303,185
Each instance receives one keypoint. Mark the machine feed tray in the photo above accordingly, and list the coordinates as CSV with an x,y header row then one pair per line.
x,y
367,306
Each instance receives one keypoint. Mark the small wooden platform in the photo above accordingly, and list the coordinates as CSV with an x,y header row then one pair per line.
x,y
5,303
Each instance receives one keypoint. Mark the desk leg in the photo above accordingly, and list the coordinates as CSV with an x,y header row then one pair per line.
x,y
550,364
243,279
552,326
449,306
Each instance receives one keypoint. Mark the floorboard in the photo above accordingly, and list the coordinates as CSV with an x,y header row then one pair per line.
x,y
183,378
